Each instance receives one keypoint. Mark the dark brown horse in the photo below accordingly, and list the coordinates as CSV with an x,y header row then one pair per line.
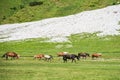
x,y
96,55
13,55
83,55
39,56
60,54
73,57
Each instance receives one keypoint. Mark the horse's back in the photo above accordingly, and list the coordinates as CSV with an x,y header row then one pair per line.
x,y
96,54
47,56
39,56
11,54
62,53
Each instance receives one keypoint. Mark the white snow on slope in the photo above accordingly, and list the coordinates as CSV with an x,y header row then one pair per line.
x,y
105,20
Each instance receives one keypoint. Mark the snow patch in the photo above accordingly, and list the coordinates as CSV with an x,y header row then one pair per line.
x,y
57,29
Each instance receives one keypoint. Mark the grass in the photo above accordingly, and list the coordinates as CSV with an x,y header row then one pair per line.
x,y
25,68
28,69
49,9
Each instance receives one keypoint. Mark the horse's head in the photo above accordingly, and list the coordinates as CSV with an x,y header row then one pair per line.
x,y
88,54
77,56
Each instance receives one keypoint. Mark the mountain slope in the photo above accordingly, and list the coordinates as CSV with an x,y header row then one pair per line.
x,y
17,11
104,20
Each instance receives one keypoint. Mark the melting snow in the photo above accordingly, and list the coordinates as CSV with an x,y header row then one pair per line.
x,y
105,20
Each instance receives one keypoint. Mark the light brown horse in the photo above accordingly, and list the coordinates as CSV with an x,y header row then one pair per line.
x,y
39,56
96,55
60,54
13,55
44,57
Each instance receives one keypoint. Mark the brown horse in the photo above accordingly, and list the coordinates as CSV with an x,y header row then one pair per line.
x,y
60,54
96,55
83,55
39,56
13,55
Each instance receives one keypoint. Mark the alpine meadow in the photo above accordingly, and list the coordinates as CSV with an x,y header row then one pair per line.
x,y
21,17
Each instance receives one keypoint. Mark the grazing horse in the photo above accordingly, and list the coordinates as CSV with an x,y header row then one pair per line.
x,y
48,57
60,54
39,56
83,55
70,56
13,55
96,55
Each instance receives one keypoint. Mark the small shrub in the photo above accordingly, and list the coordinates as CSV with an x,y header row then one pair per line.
x,y
35,3
21,6
114,3
4,18
92,5
13,8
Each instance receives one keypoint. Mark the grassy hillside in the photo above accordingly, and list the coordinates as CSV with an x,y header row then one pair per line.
x,y
15,11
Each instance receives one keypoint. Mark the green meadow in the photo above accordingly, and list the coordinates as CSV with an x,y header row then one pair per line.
x,y
105,68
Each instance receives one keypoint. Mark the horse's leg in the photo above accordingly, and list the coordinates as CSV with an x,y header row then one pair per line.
x,y
85,57
74,60
6,57
47,59
64,59
92,57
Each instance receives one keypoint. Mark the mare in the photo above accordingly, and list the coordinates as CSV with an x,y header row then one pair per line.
x,y
60,54
39,56
83,55
13,55
70,56
96,55
48,57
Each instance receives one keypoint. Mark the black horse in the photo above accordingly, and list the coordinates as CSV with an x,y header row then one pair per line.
x,y
70,56
83,55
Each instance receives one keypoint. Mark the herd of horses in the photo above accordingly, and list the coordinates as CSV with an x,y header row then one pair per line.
x,y
65,55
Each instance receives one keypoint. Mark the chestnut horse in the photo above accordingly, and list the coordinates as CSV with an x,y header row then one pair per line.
x,y
96,55
13,55
60,54
39,56
83,55
44,57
